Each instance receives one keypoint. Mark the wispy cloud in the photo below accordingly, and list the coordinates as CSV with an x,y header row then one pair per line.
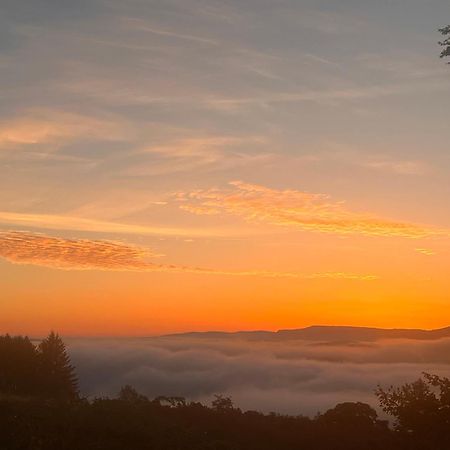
x,y
23,247
52,128
135,24
208,152
115,91
425,251
297,209
397,167
374,161
62,222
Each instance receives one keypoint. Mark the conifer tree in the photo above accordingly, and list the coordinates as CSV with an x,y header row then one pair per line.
x,y
58,376
18,365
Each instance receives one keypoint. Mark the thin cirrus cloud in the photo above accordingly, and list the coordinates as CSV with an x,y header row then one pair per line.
x,y
70,223
46,127
398,167
425,251
23,247
139,25
333,96
296,209
374,161
197,153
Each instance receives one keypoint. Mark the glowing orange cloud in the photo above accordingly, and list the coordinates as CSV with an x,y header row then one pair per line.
x,y
425,251
21,247
29,248
302,210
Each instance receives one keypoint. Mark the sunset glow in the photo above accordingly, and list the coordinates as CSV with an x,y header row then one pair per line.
x,y
183,165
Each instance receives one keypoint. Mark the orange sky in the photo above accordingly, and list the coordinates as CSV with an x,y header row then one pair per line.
x,y
167,168
296,280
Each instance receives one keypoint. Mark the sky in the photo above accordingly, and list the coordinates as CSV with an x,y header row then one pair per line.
x,y
181,165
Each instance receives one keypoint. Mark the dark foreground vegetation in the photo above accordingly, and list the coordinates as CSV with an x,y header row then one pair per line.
x,y
40,408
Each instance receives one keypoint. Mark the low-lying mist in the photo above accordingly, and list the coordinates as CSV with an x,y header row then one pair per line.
x,y
292,377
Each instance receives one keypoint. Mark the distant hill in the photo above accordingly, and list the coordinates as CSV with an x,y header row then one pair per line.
x,y
324,334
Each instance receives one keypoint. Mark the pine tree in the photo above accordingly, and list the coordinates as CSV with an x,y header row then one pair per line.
x,y
18,365
58,376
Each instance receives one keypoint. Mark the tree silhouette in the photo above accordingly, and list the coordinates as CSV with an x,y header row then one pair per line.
x,y
351,414
18,365
421,410
446,42
221,403
130,395
57,374
172,401
353,426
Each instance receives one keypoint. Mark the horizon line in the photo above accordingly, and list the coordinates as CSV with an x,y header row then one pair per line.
x,y
238,331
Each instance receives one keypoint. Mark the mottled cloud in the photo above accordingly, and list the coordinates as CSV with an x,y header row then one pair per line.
x,y
31,248
288,377
22,247
296,209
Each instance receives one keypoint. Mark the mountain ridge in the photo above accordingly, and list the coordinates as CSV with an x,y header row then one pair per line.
x,y
327,333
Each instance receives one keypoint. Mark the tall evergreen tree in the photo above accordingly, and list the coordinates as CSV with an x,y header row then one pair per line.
x,y
18,365
57,374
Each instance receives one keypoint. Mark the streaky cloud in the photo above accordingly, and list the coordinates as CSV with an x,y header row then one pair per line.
x,y
52,128
70,223
21,247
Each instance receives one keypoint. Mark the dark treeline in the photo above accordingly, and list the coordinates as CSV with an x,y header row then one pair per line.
x,y
43,370
40,409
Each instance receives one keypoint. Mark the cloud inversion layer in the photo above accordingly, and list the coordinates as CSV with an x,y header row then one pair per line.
x,y
289,377
292,208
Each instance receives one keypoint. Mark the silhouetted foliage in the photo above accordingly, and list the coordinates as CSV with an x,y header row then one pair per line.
x,y
353,426
421,410
174,402
18,365
446,42
129,394
43,371
145,424
33,417
57,374
221,403
350,415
